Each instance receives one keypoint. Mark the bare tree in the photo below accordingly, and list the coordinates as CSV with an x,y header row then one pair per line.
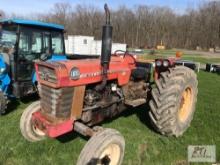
x,y
2,14
143,26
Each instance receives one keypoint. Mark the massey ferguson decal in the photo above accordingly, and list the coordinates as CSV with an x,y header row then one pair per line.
x,y
94,74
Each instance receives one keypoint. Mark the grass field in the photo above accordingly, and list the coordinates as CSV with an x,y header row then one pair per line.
x,y
143,144
187,55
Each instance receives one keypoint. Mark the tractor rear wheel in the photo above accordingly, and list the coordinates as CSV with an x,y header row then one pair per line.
x,y
105,147
3,103
173,101
28,130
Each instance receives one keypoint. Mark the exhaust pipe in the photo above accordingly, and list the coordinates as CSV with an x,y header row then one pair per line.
x,y
106,49
106,39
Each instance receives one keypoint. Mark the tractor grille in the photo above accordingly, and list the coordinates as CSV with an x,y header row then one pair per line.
x,y
47,74
56,102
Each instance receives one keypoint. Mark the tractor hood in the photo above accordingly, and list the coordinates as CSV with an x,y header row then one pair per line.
x,y
70,73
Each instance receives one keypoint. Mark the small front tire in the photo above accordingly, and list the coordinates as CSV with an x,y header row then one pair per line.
x,y
28,130
105,147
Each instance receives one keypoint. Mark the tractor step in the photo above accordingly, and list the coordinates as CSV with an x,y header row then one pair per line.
x,y
135,103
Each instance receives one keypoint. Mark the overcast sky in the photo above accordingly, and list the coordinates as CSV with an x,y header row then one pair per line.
x,y
39,6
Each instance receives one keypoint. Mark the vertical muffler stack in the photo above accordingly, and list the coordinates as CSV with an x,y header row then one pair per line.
x,y
106,39
106,48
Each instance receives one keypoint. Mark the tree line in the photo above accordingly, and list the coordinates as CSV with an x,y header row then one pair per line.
x,y
142,26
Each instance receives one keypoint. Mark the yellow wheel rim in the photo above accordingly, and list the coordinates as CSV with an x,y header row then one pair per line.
x,y
186,104
111,154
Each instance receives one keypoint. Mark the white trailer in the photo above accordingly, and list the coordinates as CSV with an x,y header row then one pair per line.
x,y
86,45
118,46
79,45
97,46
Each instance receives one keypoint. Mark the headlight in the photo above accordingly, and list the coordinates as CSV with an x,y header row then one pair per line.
x,y
165,63
75,73
2,70
158,63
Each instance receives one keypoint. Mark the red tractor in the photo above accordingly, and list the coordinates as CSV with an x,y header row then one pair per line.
x,y
79,94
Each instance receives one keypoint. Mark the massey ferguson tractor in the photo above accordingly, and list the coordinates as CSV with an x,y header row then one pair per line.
x,y
77,95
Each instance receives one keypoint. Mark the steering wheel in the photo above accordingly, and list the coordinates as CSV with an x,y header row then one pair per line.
x,y
122,51
44,56
125,53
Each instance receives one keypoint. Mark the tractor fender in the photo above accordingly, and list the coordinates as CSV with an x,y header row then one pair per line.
x,y
5,83
4,77
34,77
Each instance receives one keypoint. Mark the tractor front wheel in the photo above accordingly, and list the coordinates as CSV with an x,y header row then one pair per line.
x,y
173,101
105,147
28,130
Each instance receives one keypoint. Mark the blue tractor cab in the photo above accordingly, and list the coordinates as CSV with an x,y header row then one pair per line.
x,y
21,43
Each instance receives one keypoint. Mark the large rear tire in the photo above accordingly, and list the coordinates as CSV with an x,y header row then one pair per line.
x,y
105,147
3,103
28,130
173,101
